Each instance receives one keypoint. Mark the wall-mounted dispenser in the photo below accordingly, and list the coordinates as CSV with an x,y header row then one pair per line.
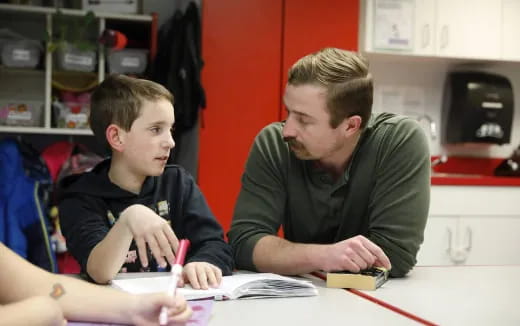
x,y
478,108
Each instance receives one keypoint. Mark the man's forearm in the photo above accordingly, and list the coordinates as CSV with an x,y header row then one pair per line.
x,y
276,255
108,256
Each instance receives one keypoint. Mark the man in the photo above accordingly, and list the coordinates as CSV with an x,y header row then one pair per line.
x,y
350,190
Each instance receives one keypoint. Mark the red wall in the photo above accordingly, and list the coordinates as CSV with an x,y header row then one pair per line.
x,y
241,46
247,48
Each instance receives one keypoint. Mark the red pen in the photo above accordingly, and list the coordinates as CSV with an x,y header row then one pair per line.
x,y
184,244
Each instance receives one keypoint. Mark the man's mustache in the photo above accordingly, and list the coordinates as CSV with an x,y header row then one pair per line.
x,y
292,142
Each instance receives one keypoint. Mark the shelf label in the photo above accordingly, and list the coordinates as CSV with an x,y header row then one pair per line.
x,y
131,62
78,59
21,55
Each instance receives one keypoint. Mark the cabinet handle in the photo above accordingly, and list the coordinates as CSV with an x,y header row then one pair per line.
x,y
448,250
469,236
444,36
425,35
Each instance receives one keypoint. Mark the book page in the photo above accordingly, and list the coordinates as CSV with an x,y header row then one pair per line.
x,y
160,284
232,287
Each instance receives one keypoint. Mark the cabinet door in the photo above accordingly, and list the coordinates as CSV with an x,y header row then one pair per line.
x,y
241,42
439,239
492,240
424,27
510,28
469,29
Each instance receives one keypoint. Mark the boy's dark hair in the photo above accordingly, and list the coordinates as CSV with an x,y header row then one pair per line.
x,y
118,100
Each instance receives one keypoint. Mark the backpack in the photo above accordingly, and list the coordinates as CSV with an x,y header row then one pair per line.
x,y
178,65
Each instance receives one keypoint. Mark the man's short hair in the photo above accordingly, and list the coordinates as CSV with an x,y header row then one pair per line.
x,y
345,76
118,100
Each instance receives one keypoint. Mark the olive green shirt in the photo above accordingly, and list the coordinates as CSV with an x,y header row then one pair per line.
x,y
384,193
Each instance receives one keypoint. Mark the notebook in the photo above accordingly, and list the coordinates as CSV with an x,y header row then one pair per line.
x,y
238,286
202,311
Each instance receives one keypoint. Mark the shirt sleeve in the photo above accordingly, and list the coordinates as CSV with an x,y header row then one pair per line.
x,y
200,226
82,225
261,203
401,195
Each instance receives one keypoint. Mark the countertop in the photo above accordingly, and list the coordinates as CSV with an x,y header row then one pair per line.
x,y
467,171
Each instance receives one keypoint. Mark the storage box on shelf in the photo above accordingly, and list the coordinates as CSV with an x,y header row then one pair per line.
x,y
38,85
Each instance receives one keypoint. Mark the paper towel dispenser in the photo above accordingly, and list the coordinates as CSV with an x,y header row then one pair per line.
x,y
477,107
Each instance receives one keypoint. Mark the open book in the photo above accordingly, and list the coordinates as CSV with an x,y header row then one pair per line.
x,y
238,286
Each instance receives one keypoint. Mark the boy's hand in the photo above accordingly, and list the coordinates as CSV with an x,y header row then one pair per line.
x,y
150,229
201,275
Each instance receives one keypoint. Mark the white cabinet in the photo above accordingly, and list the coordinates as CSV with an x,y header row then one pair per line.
x,y
36,85
510,29
472,225
478,29
424,27
411,20
469,29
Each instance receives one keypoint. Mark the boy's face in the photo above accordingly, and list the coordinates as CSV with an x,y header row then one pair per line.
x,y
148,143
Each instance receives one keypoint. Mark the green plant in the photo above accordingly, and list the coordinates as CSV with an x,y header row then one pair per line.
x,y
71,30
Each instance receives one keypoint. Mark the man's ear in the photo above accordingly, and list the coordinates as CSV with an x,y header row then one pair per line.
x,y
352,125
115,137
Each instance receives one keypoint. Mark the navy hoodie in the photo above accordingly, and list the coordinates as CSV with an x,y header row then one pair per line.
x,y
90,204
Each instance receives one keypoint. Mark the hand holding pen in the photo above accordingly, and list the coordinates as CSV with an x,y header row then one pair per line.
x,y
176,274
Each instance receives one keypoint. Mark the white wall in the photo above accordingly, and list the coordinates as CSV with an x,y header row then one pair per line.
x,y
423,78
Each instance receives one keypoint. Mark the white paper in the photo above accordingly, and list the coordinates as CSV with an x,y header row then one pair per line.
x,y
393,24
228,287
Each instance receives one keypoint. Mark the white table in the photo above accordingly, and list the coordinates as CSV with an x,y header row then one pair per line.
x,y
330,307
457,295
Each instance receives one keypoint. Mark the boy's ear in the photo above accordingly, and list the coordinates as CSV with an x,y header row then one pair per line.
x,y
115,137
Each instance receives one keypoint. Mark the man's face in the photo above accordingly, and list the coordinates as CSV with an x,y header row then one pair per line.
x,y
149,140
307,129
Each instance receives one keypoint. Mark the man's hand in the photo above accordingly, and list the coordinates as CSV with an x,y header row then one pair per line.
x,y
202,275
354,254
150,229
147,307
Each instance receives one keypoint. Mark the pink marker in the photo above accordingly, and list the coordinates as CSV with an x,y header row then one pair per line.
x,y
184,244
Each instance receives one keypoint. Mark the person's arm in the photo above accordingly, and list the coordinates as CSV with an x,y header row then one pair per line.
x,y
77,299
260,208
210,256
401,196
277,255
35,311
100,250
259,213
148,229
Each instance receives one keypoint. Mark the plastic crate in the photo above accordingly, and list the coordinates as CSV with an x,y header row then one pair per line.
x,y
72,115
21,53
70,58
21,113
127,61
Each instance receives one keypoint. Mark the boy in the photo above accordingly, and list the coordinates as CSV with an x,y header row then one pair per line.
x,y
134,200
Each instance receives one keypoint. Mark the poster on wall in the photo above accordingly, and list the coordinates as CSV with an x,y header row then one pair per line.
x,y
393,24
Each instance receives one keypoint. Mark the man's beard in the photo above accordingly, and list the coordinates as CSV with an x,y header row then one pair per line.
x,y
298,149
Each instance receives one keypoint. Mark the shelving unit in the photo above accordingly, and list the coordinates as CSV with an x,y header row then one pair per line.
x,y
18,82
